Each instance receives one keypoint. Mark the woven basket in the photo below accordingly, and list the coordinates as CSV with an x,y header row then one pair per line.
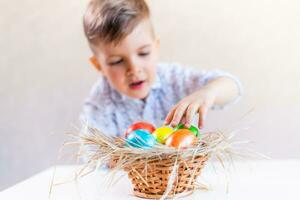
x,y
150,179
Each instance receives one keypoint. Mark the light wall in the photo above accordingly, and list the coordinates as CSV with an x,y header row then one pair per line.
x,y
45,74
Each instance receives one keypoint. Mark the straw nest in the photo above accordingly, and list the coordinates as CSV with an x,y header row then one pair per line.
x,y
159,172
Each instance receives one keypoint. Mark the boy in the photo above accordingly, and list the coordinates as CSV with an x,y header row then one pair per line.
x,y
132,85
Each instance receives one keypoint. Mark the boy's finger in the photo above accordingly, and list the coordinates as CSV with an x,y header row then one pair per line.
x,y
190,113
183,119
170,115
179,112
202,115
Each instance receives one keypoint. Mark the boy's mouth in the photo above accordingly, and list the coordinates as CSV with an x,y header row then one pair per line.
x,y
137,85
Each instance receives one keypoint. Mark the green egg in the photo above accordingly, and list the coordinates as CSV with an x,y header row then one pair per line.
x,y
179,126
195,130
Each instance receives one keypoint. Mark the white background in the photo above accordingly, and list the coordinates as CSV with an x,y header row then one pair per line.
x,y
45,73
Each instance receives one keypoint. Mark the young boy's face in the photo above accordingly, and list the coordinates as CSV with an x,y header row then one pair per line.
x,y
130,66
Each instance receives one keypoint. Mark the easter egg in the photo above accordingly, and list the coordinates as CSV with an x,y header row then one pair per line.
x,y
192,128
140,139
181,138
162,133
140,125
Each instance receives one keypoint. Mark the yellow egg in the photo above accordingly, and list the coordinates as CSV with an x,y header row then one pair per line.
x,y
162,133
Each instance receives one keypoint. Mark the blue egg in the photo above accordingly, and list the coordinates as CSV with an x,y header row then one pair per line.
x,y
140,139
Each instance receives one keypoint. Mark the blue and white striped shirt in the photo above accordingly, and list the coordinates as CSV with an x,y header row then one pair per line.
x,y
112,113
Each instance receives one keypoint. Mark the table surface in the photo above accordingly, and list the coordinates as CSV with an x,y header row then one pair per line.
x,y
267,179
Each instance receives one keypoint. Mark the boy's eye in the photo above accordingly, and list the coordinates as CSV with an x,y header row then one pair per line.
x,y
144,53
116,62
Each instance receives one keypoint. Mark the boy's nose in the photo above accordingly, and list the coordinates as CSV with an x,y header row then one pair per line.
x,y
133,68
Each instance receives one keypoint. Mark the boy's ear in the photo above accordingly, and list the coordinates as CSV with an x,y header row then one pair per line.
x,y
95,63
157,43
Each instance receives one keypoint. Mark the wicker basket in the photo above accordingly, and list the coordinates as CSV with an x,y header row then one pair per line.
x,y
150,179
160,172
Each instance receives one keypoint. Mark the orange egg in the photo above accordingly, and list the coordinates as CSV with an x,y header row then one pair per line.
x,y
181,138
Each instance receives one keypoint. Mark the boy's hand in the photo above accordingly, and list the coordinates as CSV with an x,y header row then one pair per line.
x,y
188,107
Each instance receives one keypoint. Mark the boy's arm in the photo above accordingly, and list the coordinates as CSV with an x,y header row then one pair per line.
x,y
225,90
200,91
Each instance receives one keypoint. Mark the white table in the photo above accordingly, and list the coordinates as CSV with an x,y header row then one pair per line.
x,y
248,180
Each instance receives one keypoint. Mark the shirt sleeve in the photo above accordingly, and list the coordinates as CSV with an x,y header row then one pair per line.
x,y
94,117
189,80
98,118
88,151
98,109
